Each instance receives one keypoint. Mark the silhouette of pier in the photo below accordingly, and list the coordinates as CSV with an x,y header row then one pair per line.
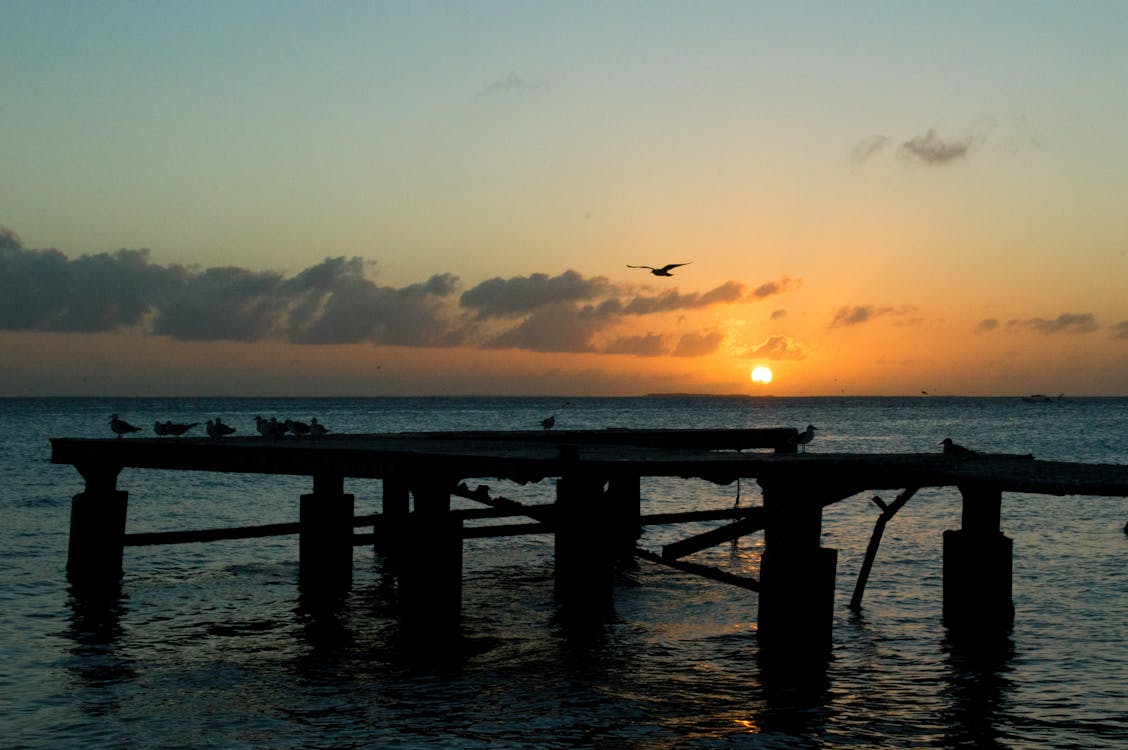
x,y
596,517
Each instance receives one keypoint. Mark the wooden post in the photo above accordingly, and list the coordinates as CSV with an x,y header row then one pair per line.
x,y
325,542
624,500
977,566
430,566
796,616
97,530
584,544
395,507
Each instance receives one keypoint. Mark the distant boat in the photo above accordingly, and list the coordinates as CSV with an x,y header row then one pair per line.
x,y
1041,398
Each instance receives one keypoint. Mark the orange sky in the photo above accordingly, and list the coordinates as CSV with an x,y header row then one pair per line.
x,y
879,198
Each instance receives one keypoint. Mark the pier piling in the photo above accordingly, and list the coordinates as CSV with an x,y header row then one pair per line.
x,y
585,548
429,562
977,565
325,543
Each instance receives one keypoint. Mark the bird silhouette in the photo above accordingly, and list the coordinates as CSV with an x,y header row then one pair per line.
x,y
549,422
805,437
176,429
121,427
664,270
218,429
316,429
955,449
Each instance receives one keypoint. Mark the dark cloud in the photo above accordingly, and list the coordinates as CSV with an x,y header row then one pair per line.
x,y
773,288
1120,330
42,290
987,324
776,347
730,291
511,85
333,302
558,327
500,297
1066,322
698,344
852,315
650,345
778,315
869,147
931,149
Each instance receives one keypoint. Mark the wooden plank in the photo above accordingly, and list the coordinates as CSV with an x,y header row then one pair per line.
x,y
144,539
753,523
705,571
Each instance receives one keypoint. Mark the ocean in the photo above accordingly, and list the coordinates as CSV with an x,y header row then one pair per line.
x,y
214,646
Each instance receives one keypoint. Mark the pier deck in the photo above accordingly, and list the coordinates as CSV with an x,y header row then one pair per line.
x,y
596,517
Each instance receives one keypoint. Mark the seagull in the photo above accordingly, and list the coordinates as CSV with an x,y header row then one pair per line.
x,y
121,427
316,429
170,428
955,449
663,271
218,429
298,428
549,423
805,437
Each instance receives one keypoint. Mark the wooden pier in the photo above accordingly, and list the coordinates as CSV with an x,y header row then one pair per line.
x,y
597,514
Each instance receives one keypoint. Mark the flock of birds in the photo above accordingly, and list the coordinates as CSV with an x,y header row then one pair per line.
x,y
273,429
216,428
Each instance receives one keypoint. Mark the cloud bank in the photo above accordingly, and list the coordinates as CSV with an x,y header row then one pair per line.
x,y
337,302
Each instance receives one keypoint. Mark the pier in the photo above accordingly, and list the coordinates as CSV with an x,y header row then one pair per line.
x,y
597,515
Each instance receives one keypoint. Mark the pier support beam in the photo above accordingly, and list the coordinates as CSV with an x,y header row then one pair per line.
x,y
585,544
394,509
977,566
796,615
325,543
624,501
429,565
97,530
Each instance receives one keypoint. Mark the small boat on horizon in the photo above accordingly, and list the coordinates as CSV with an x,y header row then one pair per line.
x,y
1041,398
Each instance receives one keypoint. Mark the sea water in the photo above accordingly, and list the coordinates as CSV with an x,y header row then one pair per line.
x,y
213,645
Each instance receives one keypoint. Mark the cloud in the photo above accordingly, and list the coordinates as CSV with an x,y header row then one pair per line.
x,y
987,324
698,344
1120,330
730,291
1066,322
511,85
557,327
519,295
869,147
336,301
772,288
852,315
931,149
777,348
778,315
650,345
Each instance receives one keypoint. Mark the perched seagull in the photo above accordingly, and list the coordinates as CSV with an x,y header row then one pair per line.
x,y
261,425
218,429
171,428
955,449
316,429
805,437
121,427
549,423
298,428
664,270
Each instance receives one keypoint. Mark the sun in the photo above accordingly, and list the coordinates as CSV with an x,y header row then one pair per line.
x,y
761,375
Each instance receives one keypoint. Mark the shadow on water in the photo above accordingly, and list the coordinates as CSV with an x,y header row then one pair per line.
x,y
94,630
976,686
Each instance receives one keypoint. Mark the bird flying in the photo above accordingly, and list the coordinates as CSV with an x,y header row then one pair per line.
x,y
664,270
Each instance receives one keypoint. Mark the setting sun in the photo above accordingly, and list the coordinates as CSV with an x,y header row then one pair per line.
x,y
761,375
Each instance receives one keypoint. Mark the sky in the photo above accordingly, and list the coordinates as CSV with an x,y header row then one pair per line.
x,y
416,198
